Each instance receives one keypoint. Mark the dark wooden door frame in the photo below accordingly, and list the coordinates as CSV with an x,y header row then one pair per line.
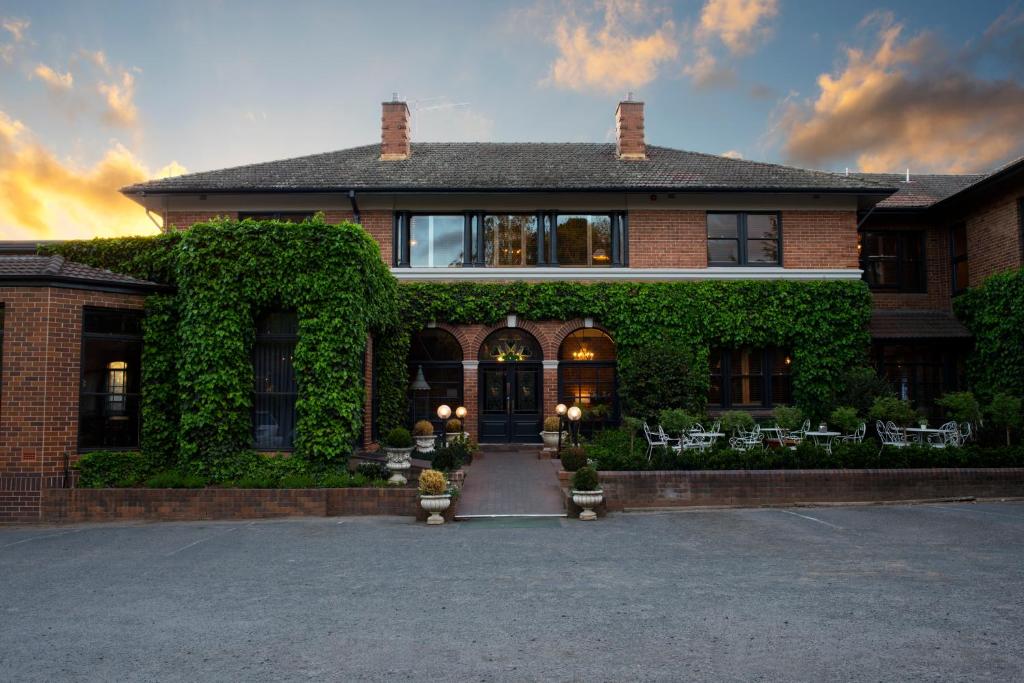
x,y
521,428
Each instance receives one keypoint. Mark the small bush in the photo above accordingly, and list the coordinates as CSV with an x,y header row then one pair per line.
x,y
111,469
373,470
892,409
174,479
961,406
734,420
297,481
788,417
423,428
432,483
676,421
845,419
453,426
399,437
586,479
573,458
453,456
255,481
659,375
552,424
1005,412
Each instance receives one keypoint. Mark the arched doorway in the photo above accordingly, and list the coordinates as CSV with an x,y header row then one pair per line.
x,y
587,377
511,396
435,374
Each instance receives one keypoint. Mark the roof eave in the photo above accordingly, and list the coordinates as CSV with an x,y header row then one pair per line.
x,y
880,191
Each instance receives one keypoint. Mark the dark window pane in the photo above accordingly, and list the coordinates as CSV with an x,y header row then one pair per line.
x,y
108,321
510,240
443,386
111,373
275,388
436,241
723,225
572,240
723,251
960,240
600,240
962,274
762,226
762,251
434,345
286,216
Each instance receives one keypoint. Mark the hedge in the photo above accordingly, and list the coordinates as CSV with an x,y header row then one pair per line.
x,y
994,313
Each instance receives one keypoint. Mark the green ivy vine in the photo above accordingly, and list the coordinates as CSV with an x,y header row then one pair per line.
x,y
994,313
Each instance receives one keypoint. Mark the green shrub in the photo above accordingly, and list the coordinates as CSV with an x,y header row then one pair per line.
x,y
399,437
573,458
586,479
859,387
961,406
788,417
373,470
734,420
615,449
890,408
845,419
111,469
453,456
675,421
1005,412
662,374
297,481
175,479
994,313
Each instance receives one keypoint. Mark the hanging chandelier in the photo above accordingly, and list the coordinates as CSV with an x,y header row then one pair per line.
x,y
583,353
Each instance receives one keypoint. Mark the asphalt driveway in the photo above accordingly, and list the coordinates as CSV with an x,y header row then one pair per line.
x,y
928,592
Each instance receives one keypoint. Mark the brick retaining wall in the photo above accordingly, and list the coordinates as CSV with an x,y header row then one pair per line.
x,y
780,487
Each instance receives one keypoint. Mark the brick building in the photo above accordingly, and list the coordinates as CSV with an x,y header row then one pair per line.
x,y
504,212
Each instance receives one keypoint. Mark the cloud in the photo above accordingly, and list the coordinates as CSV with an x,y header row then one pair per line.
x,y
45,197
906,102
56,81
16,28
733,154
120,95
450,121
623,52
98,58
737,23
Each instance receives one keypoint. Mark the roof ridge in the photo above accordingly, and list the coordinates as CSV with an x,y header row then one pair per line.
x,y
56,262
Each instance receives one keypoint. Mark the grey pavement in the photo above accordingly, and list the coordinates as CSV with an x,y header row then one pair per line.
x,y
501,482
900,593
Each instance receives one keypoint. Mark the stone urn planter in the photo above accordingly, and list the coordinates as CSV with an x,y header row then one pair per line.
x,y
449,438
435,505
399,462
425,444
551,440
588,500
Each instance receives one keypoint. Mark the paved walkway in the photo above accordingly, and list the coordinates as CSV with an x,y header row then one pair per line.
x,y
511,483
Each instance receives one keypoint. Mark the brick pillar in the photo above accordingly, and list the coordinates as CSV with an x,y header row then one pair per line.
x,y
394,131
629,130
550,387
470,397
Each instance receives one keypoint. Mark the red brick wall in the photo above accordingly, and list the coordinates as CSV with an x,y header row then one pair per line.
x,y
668,239
183,220
39,399
993,236
819,239
378,223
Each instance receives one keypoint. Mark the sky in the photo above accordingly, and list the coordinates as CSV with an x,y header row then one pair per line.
x,y
97,95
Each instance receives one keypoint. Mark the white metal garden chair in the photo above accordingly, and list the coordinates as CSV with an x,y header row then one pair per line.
x,y
656,439
948,435
800,434
888,437
857,436
965,432
747,441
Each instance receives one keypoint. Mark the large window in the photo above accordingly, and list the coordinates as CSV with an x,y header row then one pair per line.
x,y
435,374
587,376
752,239
958,257
274,387
510,240
108,400
584,240
921,372
893,260
436,241
750,379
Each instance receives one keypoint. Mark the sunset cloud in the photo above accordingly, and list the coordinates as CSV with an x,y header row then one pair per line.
x,y
906,102
120,100
16,29
45,197
56,81
623,52
738,25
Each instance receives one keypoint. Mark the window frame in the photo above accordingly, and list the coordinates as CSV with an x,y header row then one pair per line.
x,y
614,416
742,254
900,259
450,364
956,259
276,215
274,337
768,355
103,336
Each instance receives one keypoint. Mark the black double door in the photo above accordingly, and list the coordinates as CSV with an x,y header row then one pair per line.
x,y
510,402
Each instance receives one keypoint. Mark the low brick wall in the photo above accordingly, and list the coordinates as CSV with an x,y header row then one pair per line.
x,y
101,505
779,487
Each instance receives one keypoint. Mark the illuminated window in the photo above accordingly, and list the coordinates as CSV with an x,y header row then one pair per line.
x,y
750,379
109,393
587,376
584,240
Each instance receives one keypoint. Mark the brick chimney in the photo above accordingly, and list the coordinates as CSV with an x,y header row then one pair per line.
x,y
394,131
629,130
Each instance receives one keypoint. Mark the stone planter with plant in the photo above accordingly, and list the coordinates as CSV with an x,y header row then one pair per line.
x,y
434,495
453,430
552,426
398,449
586,492
423,434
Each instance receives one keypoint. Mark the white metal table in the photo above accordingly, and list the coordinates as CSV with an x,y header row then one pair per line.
x,y
823,439
922,434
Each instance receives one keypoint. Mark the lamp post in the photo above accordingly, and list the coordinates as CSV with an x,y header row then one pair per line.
x,y
443,412
574,414
460,413
560,411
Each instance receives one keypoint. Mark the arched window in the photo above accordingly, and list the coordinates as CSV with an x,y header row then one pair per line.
x,y
510,345
435,374
587,376
274,385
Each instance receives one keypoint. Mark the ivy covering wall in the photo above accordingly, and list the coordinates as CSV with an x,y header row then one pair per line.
x,y
994,313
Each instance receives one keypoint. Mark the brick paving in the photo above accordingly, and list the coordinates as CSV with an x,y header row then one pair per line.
x,y
511,482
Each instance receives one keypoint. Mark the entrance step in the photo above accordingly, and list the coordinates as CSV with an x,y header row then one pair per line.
x,y
511,483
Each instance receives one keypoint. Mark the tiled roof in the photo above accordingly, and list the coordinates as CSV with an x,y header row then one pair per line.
x,y
57,269
444,166
900,324
922,191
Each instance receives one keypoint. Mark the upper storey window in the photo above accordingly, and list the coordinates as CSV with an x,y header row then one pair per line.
x,y
511,240
744,239
958,257
893,261
286,216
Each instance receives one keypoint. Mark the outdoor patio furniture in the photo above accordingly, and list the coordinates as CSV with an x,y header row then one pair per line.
x,y
656,439
746,441
823,439
896,438
798,435
965,432
946,435
857,436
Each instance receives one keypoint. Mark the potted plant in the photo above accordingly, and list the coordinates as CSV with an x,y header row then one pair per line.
x,y
586,491
552,425
434,495
423,434
453,430
398,448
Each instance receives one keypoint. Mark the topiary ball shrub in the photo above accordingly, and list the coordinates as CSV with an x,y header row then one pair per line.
x,y
423,428
552,424
453,426
586,479
573,458
399,437
432,483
